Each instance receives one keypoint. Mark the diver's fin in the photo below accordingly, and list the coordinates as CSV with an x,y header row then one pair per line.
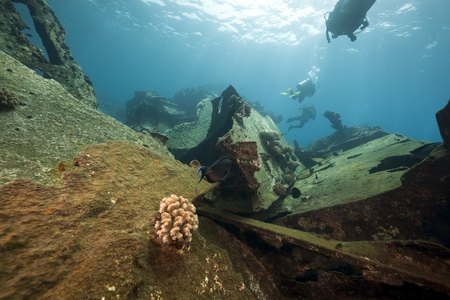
x,y
296,95
288,91
290,127
293,126
293,119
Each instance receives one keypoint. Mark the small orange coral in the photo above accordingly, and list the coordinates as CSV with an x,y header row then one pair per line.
x,y
60,167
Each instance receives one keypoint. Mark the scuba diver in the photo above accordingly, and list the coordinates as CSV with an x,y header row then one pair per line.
x,y
306,88
305,114
347,16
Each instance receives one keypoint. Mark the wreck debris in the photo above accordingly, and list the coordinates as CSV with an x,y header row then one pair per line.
x,y
443,120
317,267
334,118
152,112
222,122
183,119
61,66
246,161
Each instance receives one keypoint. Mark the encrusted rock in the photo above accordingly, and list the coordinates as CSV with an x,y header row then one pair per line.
x,y
50,126
61,66
289,178
7,99
279,189
269,135
443,120
245,157
187,135
334,118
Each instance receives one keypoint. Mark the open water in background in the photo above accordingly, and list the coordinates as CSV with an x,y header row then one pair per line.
x,y
395,75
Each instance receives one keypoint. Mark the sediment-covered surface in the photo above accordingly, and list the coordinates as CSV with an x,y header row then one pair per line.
x,y
93,237
50,126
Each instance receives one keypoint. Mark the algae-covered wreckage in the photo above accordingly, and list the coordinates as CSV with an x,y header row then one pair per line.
x,y
81,193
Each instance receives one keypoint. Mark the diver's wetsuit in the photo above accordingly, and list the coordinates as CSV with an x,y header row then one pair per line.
x,y
305,114
306,88
348,16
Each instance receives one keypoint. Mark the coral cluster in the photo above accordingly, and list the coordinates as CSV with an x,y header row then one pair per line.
x,y
293,164
176,221
279,189
239,118
283,154
269,135
271,141
289,178
247,109
8,99
243,111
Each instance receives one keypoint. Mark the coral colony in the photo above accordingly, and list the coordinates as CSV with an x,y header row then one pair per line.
x,y
176,221
8,99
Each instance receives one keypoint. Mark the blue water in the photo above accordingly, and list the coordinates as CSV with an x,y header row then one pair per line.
x,y
395,75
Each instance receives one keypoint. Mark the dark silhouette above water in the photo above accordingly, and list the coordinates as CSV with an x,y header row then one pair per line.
x,y
347,17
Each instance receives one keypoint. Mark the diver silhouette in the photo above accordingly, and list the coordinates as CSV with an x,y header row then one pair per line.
x,y
347,16
305,114
306,88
